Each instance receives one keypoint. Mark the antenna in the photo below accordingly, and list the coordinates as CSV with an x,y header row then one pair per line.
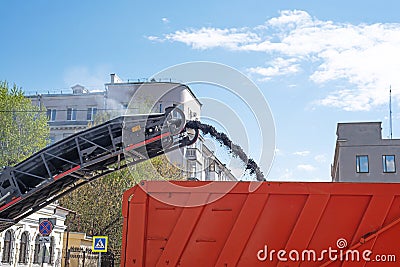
x,y
390,111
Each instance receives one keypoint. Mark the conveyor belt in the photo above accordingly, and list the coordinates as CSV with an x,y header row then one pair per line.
x,y
78,159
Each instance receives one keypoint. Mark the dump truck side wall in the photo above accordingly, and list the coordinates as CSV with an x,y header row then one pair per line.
x,y
261,224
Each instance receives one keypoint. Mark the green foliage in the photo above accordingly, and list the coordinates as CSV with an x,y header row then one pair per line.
x,y
164,169
99,204
24,128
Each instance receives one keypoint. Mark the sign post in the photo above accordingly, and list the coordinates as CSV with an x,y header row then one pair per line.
x,y
46,226
100,245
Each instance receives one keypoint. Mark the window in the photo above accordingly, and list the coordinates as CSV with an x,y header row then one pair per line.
x,y
52,249
91,112
212,166
207,168
191,153
51,114
7,247
71,114
37,254
389,164
37,250
191,169
23,248
175,114
362,165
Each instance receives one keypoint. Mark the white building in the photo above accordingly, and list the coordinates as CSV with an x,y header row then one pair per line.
x,y
201,164
73,112
361,155
20,244
69,113
150,97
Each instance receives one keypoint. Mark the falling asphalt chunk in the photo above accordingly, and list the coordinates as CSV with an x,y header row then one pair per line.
x,y
234,149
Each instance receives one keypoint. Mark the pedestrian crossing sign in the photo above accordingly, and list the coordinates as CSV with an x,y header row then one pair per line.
x,y
100,243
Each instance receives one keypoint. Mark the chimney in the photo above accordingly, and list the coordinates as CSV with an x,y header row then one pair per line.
x,y
115,78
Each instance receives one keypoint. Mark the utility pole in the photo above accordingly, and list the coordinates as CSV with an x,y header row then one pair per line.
x,y
67,252
99,262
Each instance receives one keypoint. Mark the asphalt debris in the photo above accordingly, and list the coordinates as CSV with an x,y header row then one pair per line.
x,y
234,149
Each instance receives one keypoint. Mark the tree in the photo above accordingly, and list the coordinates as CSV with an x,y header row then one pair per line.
x,y
24,128
98,204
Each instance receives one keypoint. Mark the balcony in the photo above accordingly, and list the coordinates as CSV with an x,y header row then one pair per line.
x,y
191,153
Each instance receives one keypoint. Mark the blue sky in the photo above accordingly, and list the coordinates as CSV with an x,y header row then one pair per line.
x,y
317,63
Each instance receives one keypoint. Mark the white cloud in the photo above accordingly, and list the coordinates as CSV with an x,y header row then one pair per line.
x,y
165,20
278,67
320,158
206,38
362,58
306,167
347,100
286,175
302,153
290,18
154,38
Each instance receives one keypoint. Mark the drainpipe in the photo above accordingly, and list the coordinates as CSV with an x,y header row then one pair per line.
x,y
66,263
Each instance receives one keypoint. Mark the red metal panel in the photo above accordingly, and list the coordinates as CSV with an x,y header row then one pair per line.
x,y
242,230
134,228
279,224
212,230
15,200
373,219
274,226
61,175
339,221
306,224
143,143
159,233
181,233
393,211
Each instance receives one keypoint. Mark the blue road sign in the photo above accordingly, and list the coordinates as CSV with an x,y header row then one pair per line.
x,y
100,243
45,227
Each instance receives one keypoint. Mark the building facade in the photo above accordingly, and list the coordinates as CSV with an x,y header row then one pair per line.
x,y
69,113
20,245
203,165
73,112
150,97
361,155
79,247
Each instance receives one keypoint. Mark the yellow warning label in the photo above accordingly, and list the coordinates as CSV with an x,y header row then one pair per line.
x,y
136,128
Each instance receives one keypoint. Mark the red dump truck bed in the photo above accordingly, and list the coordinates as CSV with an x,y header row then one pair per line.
x,y
261,224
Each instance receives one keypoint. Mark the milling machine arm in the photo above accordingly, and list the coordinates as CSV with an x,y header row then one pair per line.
x,y
85,156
